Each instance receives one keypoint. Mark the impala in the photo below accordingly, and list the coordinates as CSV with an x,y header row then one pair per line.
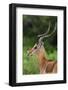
x,y
45,65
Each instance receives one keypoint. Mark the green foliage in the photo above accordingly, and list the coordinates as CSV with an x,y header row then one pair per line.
x,y
33,26
30,65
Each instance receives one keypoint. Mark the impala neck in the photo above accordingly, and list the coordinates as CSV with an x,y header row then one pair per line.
x,y
42,59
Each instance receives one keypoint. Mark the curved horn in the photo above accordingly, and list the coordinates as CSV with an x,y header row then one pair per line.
x,y
42,37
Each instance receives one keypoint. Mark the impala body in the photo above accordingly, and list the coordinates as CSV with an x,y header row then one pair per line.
x,y
45,65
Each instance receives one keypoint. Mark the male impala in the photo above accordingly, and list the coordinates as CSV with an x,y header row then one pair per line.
x,y
45,65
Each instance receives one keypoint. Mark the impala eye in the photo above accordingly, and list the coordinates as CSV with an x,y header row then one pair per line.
x,y
35,47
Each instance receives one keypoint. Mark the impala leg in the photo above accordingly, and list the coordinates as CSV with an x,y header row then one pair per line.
x,y
55,68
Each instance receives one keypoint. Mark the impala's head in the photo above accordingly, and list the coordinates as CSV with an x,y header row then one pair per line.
x,y
35,49
39,47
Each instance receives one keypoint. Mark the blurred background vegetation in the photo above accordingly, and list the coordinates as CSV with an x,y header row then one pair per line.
x,y
33,26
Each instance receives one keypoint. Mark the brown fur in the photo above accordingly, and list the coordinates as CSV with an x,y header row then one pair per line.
x,y
50,66
47,66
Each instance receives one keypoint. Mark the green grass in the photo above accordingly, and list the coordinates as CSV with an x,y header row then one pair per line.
x,y
30,64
